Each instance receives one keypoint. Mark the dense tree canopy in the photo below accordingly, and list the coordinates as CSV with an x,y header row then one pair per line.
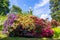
x,y
55,9
4,7
16,9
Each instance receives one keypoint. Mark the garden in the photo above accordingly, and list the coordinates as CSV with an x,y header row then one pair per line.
x,y
28,26
15,24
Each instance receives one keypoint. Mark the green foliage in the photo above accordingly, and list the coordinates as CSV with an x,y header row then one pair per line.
x,y
56,32
56,15
2,19
16,9
2,35
4,4
55,9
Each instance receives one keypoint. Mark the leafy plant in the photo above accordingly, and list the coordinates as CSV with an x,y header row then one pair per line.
x,y
27,26
56,32
8,23
4,7
55,23
23,26
43,28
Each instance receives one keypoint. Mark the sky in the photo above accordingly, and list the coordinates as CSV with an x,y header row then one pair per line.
x,y
40,7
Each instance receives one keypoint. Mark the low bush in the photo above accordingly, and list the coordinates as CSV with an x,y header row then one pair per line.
x,y
56,32
18,25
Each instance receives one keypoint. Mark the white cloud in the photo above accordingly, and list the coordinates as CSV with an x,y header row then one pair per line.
x,y
37,7
40,11
44,16
40,4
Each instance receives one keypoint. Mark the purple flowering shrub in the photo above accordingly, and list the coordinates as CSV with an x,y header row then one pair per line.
x,y
8,23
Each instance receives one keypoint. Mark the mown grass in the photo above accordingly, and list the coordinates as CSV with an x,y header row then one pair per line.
x,y
21,38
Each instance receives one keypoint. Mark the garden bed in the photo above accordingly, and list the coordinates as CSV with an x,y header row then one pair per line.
x,y
34,28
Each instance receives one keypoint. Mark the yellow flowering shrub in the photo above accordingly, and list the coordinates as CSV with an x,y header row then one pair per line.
x,y
25,21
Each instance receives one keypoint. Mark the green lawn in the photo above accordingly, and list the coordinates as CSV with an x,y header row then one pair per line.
x,y
20,38
17,38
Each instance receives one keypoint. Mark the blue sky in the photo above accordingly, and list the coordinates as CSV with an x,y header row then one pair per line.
x,y
40,7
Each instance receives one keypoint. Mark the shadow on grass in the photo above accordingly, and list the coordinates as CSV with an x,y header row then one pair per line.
x,y
23,38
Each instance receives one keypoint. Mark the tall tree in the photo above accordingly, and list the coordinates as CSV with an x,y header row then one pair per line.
x,y
4,7
55,9
16,9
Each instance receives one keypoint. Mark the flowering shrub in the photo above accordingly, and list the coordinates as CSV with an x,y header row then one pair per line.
x,y
26,21
23,25
54,23
8,23
43,28
27,25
